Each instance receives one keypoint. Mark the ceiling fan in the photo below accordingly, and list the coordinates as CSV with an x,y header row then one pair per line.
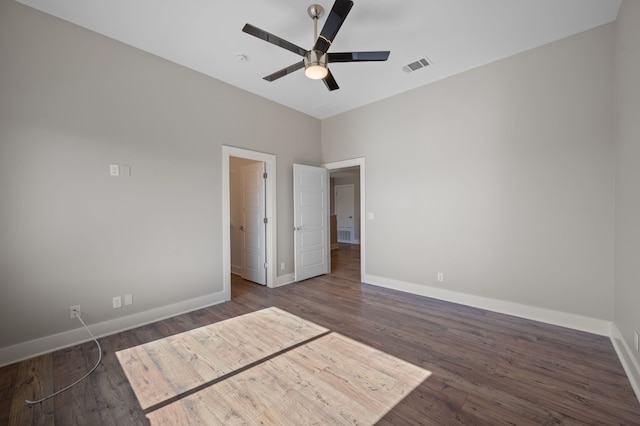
x,y
315,60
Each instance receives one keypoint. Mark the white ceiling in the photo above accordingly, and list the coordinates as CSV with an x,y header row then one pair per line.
x,y
455,35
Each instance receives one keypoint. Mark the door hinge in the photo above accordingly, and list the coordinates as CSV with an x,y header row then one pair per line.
x,y
266,220
264,175
266,265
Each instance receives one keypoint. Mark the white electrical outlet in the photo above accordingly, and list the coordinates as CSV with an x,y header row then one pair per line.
x,y
282,266
72,311
440,276
117,302
637,342
114,169
128,299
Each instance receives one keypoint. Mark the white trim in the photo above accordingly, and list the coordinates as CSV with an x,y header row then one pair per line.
x,y
270,206
627,359
563,319
357,162
284,280
48,344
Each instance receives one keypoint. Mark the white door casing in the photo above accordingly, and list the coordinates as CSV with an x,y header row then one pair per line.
x,y
253,225
272,248
311,221
360,163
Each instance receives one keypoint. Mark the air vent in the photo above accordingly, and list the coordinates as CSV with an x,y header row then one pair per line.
x,y
414,66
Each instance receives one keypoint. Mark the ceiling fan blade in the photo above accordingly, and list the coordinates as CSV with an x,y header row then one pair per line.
x,y
288,70
330,82
273,39
334,21
358,56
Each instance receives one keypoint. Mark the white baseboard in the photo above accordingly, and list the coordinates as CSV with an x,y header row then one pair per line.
x,y
47,344
627,359
563,319
284,280
237,270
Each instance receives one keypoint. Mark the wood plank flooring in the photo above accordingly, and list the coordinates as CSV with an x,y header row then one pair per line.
x,y
487,368
161,370
330,380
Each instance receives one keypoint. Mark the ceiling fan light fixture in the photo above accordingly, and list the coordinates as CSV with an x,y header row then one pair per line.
x,y
316,72
315,65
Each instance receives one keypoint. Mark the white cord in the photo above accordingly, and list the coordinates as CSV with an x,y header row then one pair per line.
x,y
28,401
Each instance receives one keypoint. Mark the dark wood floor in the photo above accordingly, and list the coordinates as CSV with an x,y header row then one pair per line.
x,y
487,368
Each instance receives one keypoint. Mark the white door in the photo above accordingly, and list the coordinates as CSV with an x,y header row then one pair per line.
x,y
311,221
345,209
253,226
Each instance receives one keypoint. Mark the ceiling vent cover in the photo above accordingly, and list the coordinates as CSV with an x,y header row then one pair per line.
x,y
414,66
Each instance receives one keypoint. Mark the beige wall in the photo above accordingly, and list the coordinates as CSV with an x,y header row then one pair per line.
x,y
71,103
627,113
501,178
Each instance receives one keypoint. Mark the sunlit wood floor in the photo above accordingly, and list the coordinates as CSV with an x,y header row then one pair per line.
x,y
487,368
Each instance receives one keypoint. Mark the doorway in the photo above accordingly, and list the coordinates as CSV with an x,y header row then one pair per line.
x,y
247,227
269,208
354,172
344,196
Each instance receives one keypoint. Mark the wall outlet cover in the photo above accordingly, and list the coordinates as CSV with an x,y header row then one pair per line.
x,y
72,311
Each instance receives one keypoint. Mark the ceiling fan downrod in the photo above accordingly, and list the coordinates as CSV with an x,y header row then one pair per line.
x,y
315,61
315,12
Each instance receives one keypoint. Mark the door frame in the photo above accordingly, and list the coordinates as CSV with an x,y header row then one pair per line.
x,y
359,162
269,161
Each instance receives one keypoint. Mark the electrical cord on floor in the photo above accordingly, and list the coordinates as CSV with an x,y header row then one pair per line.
x,y
28,401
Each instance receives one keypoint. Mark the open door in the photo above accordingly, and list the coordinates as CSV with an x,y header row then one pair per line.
x,y
253,223
311,221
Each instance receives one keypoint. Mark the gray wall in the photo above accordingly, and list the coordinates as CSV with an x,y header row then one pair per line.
x,y
627,113
501,178
71,103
